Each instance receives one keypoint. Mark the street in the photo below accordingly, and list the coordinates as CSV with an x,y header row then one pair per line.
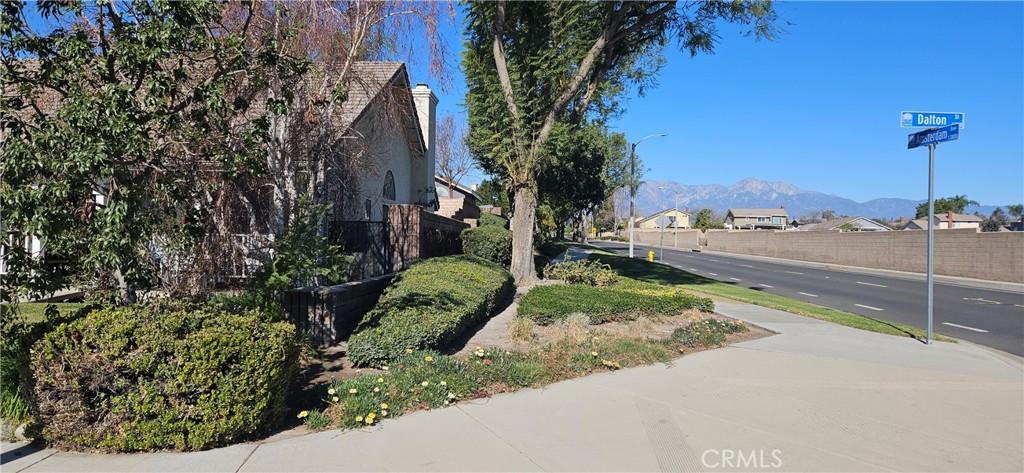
x,y
993,318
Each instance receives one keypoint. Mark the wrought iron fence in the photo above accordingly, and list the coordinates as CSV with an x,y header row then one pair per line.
x,y
367,242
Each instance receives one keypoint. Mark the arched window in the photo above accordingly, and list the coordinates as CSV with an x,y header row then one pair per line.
x,y
368,209
389,186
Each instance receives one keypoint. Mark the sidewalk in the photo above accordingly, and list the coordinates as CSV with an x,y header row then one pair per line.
x,y
816,397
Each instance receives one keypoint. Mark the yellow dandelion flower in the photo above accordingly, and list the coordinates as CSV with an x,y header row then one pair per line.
x,y
383,413
444,383
303,414
376,390
335,399
408,350
451,395
330,391
593,353
380,380
353,390
383,405
359,418
425,383
428,358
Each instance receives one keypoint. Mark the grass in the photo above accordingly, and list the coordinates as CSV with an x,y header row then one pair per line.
x,y
625,300
34,312
421,380
663,274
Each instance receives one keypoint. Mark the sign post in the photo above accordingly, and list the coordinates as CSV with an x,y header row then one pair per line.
x,y
931,138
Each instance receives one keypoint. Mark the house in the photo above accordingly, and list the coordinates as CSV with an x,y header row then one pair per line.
x,y
456,201
772,219
676,219
946,221
847,224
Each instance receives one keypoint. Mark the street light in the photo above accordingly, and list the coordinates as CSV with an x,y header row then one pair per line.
x,y
633,185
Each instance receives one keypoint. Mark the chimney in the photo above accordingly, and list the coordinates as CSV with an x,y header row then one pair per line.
x,y
423,173
949,219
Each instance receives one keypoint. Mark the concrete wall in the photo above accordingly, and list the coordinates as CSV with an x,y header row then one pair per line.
x,y
997,256
680,238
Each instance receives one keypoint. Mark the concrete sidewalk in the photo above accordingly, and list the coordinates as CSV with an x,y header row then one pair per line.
x,y
816,397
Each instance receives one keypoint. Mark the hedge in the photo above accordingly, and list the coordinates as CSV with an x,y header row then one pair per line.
x,y
428,306
490,242
162,376
489,219
625,300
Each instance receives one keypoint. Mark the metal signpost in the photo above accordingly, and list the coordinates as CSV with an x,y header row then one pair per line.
x,y
931,138
662,221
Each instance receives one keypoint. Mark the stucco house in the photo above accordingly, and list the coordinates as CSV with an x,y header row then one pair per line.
x,y
755,219
676,219
847,224
946,221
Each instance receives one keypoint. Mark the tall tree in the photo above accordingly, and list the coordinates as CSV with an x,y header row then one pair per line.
x,y
530,65
955,204
453,158
994,222
1016,211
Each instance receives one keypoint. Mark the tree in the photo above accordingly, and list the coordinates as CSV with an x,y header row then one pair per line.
x,y
530,65
705,220
1016,211
955,204
828,214
493,192
453,158
994,222
120,126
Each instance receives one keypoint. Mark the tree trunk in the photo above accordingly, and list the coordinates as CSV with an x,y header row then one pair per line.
x,y
523,220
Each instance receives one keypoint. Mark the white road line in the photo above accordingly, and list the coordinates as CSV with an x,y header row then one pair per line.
x,y
871,284
713,274
869,307
712,259
794,272
809,295
736,279
965,327
765,285
979,299
693,269
746,266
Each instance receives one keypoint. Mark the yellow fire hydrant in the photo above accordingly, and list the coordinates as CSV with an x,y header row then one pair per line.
x,y
650,256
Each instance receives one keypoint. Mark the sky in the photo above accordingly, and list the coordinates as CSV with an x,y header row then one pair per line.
x,y
819,106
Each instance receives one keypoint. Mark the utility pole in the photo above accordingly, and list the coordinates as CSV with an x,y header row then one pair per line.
x,y
633,184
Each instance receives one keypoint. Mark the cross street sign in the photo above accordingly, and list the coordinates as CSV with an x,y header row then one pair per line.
x,y
931,119
933,136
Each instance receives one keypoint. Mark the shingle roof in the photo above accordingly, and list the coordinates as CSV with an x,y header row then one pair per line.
x,y
836,223
758,212
658,214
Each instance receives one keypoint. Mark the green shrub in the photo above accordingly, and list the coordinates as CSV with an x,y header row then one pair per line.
x,y
491,242
591,273
162,376
489,219
625,300
428,306
707,332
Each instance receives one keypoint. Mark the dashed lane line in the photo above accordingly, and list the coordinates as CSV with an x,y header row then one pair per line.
x,y
713,274
808,294
982,300
765,285
871,284
869,307
736,279
746,266
794,272
965,327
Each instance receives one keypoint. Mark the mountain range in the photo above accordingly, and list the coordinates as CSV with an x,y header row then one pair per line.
x,y
653,196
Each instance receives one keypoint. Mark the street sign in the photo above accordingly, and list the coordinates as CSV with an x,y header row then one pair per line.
x,y
664,221
933,136
931,119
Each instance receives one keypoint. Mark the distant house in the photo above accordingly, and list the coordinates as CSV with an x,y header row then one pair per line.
x,y
463,203
847,224
946,221
769,219
676,219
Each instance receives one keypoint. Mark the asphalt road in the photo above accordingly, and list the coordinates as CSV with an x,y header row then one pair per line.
x,y
989,317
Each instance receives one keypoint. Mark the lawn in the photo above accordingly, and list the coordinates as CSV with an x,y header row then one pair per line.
x,y
33,311
664,274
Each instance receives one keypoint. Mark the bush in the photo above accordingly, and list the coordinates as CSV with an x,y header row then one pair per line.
x,y
626,300
428,306
162,376
491,242
707,332
489,219
591,273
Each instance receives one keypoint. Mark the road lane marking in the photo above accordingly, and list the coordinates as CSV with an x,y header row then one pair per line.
x,y
765,285
794,272
746,266
979,299
693,269
809,295
965,327
871,284
869,307
736,279
713,274
712,259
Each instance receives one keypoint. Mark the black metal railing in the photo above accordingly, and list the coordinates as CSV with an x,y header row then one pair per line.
x,y
367,242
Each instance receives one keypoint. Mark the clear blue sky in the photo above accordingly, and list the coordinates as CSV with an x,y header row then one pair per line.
x,y
819,107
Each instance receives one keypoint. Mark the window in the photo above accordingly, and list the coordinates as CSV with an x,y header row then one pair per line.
x,y
762,219
389,186
779,220
368,209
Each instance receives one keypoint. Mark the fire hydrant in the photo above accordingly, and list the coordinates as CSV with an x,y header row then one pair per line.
x,y
650,256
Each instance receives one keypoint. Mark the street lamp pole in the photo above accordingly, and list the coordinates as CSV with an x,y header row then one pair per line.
x,y
633,186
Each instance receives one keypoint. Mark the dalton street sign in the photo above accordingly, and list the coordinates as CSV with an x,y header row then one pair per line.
x,y
933,136
931,119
